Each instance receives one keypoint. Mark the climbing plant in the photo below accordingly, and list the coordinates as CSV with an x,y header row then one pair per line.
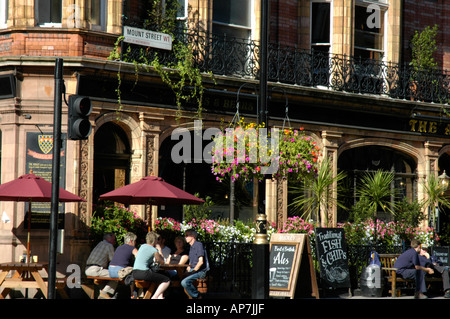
x,y
179,73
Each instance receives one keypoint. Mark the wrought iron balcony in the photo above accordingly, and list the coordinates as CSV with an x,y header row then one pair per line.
x,y
235,57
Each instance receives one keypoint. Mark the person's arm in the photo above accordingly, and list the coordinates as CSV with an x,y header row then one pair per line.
x,y
199,264
419,267
158,258
429,271
183,260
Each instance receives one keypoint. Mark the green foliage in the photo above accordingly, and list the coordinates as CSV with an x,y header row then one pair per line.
x,y
178,73
423,46
181,73
315,194
409,213
117,220
198,212
359,211
377,190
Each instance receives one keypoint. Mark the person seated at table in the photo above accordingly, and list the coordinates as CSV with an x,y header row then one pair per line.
x,y
426,260
198,264
179,257
163,250
98,261
408,267
124,255
146,256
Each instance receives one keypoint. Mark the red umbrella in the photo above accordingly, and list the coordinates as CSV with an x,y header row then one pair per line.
x,y
32,188
151,190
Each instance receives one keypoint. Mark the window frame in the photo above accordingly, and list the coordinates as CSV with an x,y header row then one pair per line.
x,y
46,24
103,17
384,7
4,14
330,34
249,28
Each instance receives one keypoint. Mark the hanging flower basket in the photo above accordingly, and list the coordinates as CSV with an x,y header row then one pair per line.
x,y
236,153
298,155
249,151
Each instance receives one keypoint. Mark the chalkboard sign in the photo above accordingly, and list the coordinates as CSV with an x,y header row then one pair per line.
x,y
441,254
290,254
282,257
332,255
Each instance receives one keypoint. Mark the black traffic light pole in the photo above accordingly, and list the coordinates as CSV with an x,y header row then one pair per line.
x,y
59,82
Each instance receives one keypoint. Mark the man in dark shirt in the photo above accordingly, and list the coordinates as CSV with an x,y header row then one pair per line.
x,y
426,260
408,267
197,264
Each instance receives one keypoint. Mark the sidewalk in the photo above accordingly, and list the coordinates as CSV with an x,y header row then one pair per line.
x,y
357,295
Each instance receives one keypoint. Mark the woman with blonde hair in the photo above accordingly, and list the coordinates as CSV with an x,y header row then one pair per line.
x,y
147,256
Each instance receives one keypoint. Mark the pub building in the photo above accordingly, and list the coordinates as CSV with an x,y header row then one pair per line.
x,y
337,68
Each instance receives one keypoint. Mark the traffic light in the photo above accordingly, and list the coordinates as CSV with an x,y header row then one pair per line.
x,y
79,126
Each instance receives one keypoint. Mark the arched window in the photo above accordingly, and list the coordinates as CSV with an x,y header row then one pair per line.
x,y
358,161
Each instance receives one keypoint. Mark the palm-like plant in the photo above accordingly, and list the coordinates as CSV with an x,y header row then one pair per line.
x,y
377,189
315,195
435,191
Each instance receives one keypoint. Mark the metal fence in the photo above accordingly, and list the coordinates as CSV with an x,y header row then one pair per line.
x,y
231,266
239,58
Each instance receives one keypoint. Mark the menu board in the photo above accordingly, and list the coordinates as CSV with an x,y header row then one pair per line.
x,y
290,256
281,262
332,255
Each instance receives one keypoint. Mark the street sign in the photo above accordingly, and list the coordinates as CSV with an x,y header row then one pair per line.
x,y
147,38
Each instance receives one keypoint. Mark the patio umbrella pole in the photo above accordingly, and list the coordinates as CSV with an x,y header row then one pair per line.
x,y
149,217
29,233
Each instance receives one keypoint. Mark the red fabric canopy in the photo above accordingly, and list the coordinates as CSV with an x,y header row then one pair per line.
x,y
151,190
32,188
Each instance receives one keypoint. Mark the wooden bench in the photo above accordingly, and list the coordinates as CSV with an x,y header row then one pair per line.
x,y
89,289
390,273
147,286
150,287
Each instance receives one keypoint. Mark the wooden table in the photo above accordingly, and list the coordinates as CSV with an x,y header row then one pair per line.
x,y
151,286
179,268
26,275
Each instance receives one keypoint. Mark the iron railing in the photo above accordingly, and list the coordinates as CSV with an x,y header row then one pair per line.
x,y
239,58
230,269
231,266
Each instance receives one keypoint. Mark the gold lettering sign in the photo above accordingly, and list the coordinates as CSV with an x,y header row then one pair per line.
x,y
429,127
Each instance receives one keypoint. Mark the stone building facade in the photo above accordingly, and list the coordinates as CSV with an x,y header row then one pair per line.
x,y
361,120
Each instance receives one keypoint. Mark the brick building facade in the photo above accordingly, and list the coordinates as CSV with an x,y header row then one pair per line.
x,y
360,113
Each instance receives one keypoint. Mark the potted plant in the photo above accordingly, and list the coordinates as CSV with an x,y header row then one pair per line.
x,y
423,46
376,189
315,194
434,190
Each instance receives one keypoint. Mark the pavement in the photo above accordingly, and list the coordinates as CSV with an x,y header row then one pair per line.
x,y
408,295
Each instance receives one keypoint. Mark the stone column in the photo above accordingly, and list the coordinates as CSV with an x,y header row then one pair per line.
x,y
150,141
330,141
